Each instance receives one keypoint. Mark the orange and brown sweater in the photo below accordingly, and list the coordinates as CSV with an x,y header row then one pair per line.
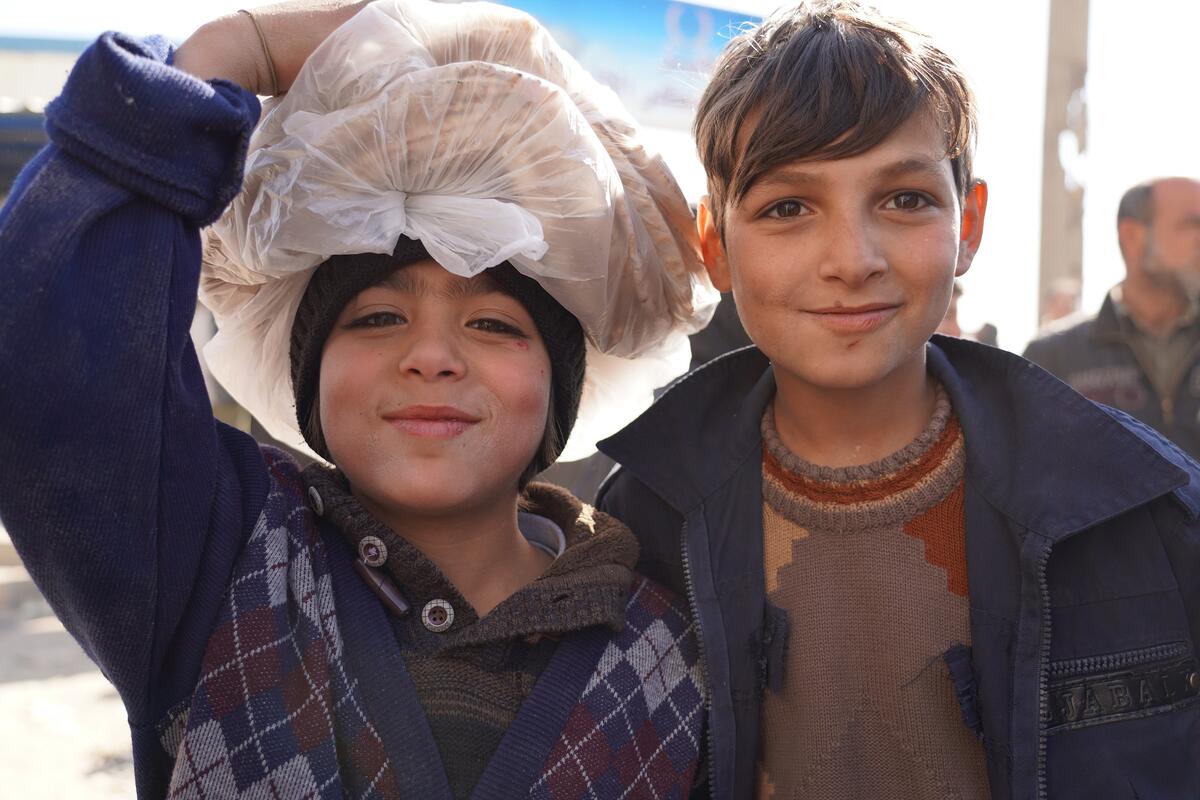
x,y
870,564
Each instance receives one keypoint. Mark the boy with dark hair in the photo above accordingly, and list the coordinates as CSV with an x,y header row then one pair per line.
x,y
921,569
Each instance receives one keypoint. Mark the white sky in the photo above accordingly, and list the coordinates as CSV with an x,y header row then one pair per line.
x,y
1142,107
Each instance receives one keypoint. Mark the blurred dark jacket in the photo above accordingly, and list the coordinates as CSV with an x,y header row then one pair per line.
x,y
1106,359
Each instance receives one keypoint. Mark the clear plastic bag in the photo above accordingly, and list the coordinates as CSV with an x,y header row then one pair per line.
x,y
467,127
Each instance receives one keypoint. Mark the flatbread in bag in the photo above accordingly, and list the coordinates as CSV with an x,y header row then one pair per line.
x,y
464,126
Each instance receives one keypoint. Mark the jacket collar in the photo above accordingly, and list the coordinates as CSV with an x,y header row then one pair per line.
x,y
1107,325
587,584
1024,461
1113,322
700,431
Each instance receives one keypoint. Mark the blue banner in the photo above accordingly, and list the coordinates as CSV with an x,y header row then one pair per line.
x,y
655,54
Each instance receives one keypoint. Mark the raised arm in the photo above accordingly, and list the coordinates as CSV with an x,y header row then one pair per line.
x,y
126,500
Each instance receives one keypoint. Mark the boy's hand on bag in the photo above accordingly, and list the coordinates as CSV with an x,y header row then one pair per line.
x,y
267,60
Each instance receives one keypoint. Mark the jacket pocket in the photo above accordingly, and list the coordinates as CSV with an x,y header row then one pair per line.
x,y
1125,726
1128,685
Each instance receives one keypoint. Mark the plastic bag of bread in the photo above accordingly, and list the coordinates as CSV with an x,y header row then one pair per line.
x,y
467,127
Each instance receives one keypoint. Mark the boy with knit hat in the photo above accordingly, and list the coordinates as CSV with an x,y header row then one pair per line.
x,y
403,264
920,569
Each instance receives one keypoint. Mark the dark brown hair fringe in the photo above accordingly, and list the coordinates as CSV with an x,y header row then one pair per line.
x,y
827,79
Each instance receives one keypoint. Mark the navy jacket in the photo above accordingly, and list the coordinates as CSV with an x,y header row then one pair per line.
x,y
1083,551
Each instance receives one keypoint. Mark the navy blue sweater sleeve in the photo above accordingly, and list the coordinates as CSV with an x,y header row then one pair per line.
x,y
126,500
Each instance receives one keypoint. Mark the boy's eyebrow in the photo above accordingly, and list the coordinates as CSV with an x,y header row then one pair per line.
x,y
409,282
796,174
788,176
925,167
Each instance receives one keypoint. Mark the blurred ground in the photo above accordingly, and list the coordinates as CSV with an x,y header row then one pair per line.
x,y
62,727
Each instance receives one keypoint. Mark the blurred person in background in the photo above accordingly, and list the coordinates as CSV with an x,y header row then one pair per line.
x,y
988,334
1140,353
949,325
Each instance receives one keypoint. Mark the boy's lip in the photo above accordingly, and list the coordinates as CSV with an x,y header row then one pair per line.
x,y
855,319
433,422
863,309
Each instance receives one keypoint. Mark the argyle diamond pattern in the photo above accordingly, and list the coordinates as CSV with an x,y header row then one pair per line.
x,y
274,713
636,731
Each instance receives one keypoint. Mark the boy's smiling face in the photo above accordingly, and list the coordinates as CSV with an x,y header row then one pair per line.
x,y
842,269
434,393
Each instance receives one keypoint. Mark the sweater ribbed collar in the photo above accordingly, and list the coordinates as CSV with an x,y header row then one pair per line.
x,y
587,584
891,490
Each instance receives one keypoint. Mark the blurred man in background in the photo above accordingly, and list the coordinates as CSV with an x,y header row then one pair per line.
x,y
949,325
1141,352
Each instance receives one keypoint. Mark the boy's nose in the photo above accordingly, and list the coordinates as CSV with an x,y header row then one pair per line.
x,y
432,355
852,253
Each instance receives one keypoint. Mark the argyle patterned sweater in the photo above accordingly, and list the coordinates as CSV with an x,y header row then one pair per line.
x,y
280,710
251,659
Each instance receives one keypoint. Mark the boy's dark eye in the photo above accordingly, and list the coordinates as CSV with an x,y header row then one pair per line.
x,y
908,201
785,208
491,325
378,319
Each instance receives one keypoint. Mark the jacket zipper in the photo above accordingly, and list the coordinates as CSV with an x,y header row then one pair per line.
x,y
1076,666
691,600
1043,672
1045,668
1116,661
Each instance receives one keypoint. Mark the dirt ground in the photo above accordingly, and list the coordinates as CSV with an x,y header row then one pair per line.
x,y
62,727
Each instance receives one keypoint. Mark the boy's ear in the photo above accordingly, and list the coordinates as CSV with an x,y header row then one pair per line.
x,y
712,249
974,209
